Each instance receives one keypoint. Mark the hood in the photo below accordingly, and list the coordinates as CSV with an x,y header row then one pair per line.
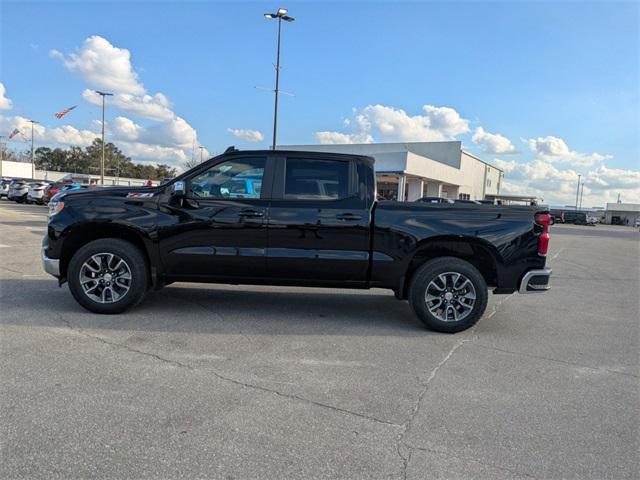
x,y
111,192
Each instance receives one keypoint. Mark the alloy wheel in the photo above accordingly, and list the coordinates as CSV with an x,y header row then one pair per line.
x,y
450,297
105,277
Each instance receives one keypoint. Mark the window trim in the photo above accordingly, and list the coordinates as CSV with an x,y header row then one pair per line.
x,y
279,183
267,179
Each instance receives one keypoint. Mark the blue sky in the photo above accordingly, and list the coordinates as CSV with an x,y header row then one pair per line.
x,y
556,81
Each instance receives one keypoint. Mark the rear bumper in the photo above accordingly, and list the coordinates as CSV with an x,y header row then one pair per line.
x,y
535,281
50,265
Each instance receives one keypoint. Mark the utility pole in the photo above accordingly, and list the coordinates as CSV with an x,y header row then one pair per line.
x,y
281,14
581,194
33,155
578,191
103,95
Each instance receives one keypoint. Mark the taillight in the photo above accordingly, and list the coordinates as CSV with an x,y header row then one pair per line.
x,y
544,220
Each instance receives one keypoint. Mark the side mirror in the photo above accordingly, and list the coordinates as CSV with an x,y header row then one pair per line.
x,y
178,189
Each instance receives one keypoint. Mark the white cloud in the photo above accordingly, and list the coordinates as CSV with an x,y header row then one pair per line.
x,y
245,134
558,186
329,138
152,153
554,149
156,107
389,124
125,129
68,135
5,103
101,64
104,66
63,135
152,107
493,143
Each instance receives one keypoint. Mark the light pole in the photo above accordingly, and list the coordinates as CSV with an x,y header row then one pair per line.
x,y
281,14
201,150
581,194
102,94
578,191
33,156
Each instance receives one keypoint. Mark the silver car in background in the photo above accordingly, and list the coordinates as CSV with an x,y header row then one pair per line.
x,y
18,190
4,187
36,192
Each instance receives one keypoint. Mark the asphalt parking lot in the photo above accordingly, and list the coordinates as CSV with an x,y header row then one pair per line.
x,y
263,382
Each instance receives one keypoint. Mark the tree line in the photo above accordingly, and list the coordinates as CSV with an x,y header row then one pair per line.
x,y
87,160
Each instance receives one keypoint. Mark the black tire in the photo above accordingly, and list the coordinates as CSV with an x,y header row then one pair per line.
x,y
134,259
429,272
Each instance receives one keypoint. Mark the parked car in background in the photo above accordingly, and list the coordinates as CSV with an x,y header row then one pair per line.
x,y
36,192
4,187
18,190
72,178
68,188
468,201
577,218
434,200
557,216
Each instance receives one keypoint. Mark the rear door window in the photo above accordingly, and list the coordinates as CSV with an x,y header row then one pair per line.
x,y
316,179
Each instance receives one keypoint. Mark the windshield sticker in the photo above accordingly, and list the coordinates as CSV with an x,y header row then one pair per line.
x,y
139,195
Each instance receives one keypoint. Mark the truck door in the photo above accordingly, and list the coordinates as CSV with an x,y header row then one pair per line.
x,y
318,224
219,229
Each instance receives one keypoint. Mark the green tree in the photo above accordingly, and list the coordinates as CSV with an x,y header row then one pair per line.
x,y
78,160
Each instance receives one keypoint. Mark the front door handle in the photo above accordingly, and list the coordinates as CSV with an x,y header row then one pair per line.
x,y
348,216
250,213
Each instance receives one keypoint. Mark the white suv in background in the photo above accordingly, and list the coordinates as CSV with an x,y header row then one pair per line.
x,y
36,192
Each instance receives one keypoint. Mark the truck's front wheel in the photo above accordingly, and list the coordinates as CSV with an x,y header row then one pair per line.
x,y
108,276
448,294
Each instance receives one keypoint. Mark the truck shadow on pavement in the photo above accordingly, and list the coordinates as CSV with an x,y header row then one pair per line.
x,y
214,309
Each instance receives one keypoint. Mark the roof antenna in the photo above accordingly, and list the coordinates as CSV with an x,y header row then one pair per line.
x,y
232,148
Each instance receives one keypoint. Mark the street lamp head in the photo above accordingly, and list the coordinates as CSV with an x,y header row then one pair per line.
x,y
103,93
281,13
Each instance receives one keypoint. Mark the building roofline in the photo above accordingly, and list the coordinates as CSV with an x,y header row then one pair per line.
x,y
481,160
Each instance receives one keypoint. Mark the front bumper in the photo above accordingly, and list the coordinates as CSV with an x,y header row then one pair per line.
x,y
535,281
50,265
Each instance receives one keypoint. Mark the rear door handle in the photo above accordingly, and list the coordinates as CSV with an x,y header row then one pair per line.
x,y
250,213
348,216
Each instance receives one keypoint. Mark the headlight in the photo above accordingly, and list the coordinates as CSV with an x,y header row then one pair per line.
x,y
55,206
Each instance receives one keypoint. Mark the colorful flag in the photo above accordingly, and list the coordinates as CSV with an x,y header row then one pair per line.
x,y
62,113
14,133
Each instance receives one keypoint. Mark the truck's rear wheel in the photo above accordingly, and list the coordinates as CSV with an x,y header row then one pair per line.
x,y
108,276
448,294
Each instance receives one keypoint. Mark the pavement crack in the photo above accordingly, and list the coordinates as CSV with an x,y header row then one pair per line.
x,y
486,464
563,362
469,335
225,378
416,407
10,270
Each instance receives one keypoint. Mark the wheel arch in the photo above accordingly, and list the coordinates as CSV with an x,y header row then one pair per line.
x,y
478,253
82,234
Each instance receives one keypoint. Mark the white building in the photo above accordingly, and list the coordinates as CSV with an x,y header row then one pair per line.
x,y
408,171
622,213
10,169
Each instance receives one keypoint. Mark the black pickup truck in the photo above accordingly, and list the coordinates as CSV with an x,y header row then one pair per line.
x,y
293,218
